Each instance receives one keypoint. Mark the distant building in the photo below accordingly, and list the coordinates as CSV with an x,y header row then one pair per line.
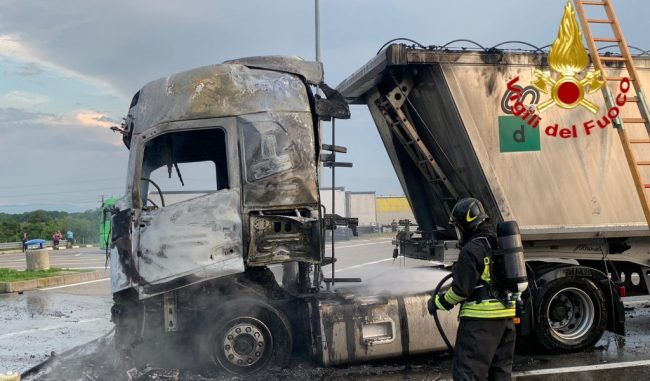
x,y
339,200
362,205
391,208
371,210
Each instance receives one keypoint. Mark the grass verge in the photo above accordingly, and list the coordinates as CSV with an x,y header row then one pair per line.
x,y
10,275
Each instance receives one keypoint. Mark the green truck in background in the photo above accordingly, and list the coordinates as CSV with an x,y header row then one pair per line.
x,y
105,223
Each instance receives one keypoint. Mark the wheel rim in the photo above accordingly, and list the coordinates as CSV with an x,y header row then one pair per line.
x,y
245,345
570,314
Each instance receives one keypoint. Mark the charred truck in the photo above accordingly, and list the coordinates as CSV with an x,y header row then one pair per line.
x,y
190,274
193,272
491,124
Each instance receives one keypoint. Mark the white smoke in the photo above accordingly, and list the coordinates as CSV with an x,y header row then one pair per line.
x,y
391,280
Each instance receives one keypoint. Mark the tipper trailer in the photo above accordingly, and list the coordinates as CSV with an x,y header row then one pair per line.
x,y
468,123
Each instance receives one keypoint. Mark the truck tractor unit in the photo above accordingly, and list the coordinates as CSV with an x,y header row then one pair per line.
x,y
190,276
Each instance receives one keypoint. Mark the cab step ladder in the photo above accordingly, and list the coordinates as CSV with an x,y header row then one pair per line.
x,y
630,146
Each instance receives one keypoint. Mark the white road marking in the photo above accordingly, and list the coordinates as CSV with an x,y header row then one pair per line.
x,y
73,284
573,369
28,331
361,265
76,255
361,244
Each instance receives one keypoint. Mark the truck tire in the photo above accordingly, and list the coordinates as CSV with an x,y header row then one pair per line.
x,y
572,315
244,337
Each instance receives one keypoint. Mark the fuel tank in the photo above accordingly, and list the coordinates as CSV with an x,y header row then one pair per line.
x,y
351,326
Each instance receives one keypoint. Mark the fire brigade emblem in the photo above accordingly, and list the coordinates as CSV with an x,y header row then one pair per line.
x,y
568,58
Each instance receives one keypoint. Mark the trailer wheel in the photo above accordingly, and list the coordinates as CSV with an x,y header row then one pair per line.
x,y
245,337
572,315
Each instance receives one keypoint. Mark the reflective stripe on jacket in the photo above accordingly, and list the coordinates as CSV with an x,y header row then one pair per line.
x,y
487,309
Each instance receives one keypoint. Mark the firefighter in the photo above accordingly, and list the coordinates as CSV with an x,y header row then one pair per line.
x,y
485,340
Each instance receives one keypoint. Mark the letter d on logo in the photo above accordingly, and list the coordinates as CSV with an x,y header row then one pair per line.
x,y
517,136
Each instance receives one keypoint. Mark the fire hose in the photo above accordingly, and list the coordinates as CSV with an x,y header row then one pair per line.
x,y
508,268
435,312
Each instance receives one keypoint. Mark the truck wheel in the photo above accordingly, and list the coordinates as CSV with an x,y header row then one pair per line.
x,y
572,315
246,336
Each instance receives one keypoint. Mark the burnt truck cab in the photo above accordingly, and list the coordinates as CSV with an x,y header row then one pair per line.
x,y
189,268
246,131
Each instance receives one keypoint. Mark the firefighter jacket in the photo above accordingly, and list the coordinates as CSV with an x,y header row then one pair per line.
x,y
472,284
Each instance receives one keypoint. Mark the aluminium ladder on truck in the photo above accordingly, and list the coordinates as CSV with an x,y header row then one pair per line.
x,y
393,108
640,101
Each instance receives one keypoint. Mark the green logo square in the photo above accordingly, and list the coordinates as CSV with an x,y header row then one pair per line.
x,y
517,136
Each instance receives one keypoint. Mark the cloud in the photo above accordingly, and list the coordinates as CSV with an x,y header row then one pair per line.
x,y
94,119
76,127
16,115
23,99
11,45
29,69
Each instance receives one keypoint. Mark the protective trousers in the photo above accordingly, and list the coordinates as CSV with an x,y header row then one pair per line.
x,y
484,349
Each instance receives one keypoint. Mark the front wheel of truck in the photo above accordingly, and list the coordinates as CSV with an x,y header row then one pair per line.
x,y
244,337
572,315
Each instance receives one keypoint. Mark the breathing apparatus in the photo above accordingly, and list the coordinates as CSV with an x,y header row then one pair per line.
x,y
508,264
506,261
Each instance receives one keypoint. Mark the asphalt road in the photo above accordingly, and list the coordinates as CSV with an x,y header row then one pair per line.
x,y
81,258
56,319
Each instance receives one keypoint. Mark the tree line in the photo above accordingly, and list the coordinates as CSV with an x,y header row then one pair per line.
x,y
42,224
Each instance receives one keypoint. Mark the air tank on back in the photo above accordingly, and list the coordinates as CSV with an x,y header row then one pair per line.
x,y
509,266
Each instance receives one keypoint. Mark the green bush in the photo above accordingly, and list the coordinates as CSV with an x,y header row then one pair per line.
x,y
42,224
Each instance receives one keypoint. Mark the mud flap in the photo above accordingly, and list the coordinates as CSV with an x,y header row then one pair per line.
x,y
616,315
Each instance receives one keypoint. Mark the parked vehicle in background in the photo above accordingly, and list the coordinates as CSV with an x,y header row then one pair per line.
x,y
105,222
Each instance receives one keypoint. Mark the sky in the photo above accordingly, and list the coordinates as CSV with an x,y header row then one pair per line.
x,y
68,70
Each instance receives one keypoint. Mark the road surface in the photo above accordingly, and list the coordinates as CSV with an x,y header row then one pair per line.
x,y
56,319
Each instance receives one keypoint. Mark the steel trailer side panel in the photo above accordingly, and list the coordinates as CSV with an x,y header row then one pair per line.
x,y
582,180
448,132
573,184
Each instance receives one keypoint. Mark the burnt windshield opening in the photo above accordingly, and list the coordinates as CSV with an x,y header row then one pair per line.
x,y
182,165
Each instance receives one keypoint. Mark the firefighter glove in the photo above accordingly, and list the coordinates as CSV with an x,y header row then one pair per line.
x,y
442,303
